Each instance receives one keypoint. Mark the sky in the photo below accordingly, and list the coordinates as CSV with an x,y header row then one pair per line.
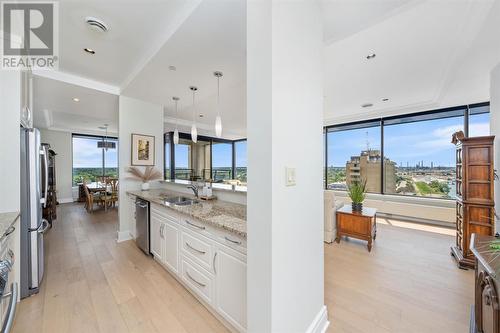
x,y
87,155
406,143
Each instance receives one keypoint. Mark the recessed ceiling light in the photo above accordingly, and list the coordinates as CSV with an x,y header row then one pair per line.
x,y
90,51
172,68
367,105
201,115
76,99
385,99
371,56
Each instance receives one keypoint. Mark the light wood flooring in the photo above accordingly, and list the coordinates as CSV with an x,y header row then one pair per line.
x,y
408,283
93,284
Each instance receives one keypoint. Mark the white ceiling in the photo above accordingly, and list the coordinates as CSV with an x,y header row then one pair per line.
x,y
343,18
55,109
136,30
430,54
212,38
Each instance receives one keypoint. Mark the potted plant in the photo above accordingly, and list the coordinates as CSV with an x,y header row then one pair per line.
x,y
149,174
356,191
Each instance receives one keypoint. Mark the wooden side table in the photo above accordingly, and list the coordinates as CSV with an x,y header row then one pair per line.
x,y
360,225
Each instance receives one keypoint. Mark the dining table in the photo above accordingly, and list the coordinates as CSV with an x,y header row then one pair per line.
x,y
96,187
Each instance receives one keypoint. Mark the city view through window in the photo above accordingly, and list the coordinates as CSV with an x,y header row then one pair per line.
x,y
419,158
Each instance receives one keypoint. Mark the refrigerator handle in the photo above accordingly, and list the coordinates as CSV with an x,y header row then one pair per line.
x,y
46,170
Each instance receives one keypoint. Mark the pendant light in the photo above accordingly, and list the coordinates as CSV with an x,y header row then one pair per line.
x,y
218,120
176,131
194,131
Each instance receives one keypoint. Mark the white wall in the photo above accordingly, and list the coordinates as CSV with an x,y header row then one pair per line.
x,y
10,106
61,143
495,130
135,116
284,124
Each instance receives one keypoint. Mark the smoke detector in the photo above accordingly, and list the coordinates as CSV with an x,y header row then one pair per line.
x,y
96,24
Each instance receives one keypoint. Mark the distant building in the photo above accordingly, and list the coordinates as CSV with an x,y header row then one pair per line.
x,y
366,166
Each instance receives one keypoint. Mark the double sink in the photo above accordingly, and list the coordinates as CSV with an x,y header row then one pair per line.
x,y
180,201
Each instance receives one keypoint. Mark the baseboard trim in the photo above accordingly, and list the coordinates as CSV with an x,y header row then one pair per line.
x,y
65,200
320,322
123,236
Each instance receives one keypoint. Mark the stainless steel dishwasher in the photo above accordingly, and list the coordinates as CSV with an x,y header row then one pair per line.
x,y
142,224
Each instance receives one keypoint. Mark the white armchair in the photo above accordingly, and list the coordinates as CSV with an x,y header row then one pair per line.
x,y
331,206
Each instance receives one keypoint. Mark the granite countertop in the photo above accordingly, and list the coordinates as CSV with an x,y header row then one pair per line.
x,y
226,215
6,221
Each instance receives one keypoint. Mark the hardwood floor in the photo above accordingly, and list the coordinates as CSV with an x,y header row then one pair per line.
x,y
93,284
407,284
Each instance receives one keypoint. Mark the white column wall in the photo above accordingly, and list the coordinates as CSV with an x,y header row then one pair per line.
x,y
61,143
135,116
285,125
10,108
495,130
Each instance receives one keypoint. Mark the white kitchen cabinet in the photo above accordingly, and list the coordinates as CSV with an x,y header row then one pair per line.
x,y
209,261
171,240
231,286
156,237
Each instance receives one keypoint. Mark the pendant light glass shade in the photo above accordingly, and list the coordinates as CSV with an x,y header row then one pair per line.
x,y
194,133
218,120
218,126
176,137
194,130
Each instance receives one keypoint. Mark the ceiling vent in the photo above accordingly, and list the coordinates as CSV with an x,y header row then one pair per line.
x,y
96,24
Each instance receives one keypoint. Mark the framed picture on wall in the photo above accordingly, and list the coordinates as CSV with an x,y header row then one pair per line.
x,y
143,150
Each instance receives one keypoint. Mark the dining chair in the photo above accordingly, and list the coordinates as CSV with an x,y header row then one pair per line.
x,y
91,198
111,196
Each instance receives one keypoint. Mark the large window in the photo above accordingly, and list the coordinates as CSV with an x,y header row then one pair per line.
x,y
209,159
420,158
240,156
222,161
182,154
405,155
479,120
354,155
91,163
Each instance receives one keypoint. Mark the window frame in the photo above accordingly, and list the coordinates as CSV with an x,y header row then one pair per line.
x,y
91,136
168,137
462,110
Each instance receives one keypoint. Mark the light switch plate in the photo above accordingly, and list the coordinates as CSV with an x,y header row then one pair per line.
x,y
290,176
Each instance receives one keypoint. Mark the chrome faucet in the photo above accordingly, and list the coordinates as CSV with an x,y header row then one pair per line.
x,y
195,189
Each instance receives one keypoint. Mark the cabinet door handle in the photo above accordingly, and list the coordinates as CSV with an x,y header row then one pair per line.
x,y
215,268
194,280
162,227
195,249
232,241
195,225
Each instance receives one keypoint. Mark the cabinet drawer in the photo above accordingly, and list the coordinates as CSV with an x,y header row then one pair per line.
x,y
199,249
199,281
233,241
164,212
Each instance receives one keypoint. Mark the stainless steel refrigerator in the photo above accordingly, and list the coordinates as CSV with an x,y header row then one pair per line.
x,y
33,193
